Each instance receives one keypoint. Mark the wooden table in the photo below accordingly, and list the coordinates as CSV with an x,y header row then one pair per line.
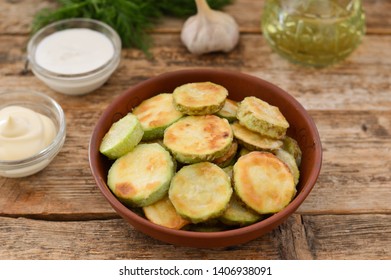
x,y
59,213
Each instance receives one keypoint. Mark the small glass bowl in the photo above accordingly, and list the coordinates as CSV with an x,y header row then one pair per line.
x,y
42,104
75,84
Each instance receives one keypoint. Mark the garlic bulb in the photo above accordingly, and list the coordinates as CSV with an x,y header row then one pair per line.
x,y
209,31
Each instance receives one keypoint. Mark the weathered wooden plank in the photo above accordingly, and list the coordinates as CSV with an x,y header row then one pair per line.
x,y
110,239
366,237
361,79
307,237
16,16
355,176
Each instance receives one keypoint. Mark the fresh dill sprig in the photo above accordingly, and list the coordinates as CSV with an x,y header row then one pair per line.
x,y
130,18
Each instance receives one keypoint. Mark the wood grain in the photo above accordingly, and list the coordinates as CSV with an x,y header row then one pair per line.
x,y
59,213
355,176
16,16
309,237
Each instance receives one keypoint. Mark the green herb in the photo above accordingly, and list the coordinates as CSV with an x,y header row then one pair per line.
x,y
130,18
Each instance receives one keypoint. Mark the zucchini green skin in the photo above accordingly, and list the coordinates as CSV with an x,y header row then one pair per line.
x,y
200,192
122,137
203,98
228,158
195,139
141,177
156,114
261,117
238,214
198,111
229,110
254,141
291,146
290,161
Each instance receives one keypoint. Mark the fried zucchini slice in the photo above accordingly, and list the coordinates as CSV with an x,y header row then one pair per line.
x,y
195,139
229,171
238,214
206,227
142,176
254,141
290,161
291,146
259,116
199,98
243,151
163,213
156,114
122,137
263,182
228,157
229,110
200,191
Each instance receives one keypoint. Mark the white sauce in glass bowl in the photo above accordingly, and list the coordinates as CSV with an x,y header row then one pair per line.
x,y
23,133
74,51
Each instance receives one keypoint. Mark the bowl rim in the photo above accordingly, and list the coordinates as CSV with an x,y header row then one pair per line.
x,y
111,63
268,222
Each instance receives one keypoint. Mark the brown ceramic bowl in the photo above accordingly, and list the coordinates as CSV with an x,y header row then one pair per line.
x,y
302,128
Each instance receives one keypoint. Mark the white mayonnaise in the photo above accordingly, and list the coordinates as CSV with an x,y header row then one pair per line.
x,y
23,133
74,51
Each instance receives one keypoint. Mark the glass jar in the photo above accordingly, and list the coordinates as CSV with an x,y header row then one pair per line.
x,y
313,32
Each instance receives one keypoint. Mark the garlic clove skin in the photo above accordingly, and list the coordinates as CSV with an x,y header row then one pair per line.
x,y
209,31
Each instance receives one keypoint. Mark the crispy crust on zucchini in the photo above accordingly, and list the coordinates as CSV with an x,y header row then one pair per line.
x,y
200,191
259,116
163,213
290,161
156,114
291,146
229,110
237,213
142,176
201,98
195,139
229,157
263,182
122,137
254,141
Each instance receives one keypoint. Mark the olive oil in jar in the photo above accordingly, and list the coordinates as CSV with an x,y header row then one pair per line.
x,y
313,32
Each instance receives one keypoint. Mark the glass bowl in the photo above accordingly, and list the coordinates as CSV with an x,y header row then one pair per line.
x,y
79,83
44,105
313,33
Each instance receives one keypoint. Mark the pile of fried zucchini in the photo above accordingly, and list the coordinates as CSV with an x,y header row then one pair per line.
x,y
195,160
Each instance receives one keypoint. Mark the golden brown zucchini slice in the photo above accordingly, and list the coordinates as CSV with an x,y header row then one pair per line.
x,y
201,98
290,161
200,191
163,213
291,146
237,213
156,114
122,137
229,157
229,171
263,182
198,138
229,110
243,151
254,141
207,227
142,176
259,116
